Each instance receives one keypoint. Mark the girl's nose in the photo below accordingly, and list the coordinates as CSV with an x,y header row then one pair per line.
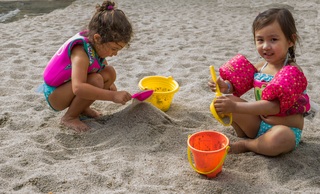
x,y
265,45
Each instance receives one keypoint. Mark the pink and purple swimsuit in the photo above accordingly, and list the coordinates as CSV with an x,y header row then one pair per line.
x,y
58,70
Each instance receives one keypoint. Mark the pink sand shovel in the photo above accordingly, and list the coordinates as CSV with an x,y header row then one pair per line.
x,y
143,95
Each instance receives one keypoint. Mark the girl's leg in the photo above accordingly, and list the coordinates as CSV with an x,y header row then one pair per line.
x,y
245,125
109,76
63,97
278,140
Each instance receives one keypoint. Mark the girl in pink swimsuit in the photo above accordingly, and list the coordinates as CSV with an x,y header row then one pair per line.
x,y
78,73
273,124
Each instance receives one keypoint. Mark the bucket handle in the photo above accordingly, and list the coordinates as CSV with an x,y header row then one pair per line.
x,y
211,171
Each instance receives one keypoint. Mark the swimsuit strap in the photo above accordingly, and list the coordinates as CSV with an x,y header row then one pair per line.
x,y
284,64
264,66
286,61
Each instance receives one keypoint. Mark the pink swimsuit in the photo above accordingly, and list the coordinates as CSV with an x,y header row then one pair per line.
x,y
58,70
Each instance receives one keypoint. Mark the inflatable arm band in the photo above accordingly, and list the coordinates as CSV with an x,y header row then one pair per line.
x,y
240,72
287,86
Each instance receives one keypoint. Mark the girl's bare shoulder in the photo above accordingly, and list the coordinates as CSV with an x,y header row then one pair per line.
x,y
259,65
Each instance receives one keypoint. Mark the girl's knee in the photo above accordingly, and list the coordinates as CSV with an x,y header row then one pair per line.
x,y
109,74
284,137
96,79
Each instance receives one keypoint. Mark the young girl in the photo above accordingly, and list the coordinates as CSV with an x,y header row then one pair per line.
x,y
273,124
78,73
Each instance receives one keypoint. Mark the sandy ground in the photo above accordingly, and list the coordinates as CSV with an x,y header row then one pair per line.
x,y
136,148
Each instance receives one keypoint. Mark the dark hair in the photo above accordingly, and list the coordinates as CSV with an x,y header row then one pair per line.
x,y
286,22
110,23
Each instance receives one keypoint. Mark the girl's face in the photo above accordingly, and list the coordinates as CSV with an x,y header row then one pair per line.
x,y
272,44
108,49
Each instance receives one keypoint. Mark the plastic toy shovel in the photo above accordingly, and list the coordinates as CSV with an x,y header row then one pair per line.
x,y
226,120
143,95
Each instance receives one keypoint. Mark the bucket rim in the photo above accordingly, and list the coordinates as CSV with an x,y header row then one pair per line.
x,y
209,131
176,88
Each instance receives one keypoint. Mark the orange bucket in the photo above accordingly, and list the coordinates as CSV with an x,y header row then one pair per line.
x,y
209,150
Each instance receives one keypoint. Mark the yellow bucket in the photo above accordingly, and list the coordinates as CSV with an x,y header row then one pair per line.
x,y
164,89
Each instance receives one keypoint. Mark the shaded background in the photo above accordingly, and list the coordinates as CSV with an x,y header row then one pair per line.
x,y
15,10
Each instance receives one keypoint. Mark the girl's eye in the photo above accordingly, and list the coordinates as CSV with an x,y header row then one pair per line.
x,y
274,39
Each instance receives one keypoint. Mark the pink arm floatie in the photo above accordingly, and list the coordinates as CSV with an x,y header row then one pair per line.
x,y
240,72
287,86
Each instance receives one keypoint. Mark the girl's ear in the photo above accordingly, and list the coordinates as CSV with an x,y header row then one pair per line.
x,y
96,38
294,38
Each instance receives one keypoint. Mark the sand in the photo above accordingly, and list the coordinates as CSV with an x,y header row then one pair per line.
x,y
136,148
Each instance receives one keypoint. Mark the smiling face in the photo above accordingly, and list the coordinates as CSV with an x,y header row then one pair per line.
x,y
272,44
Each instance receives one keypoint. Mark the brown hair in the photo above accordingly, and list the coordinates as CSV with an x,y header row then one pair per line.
x,y
110,23
286,22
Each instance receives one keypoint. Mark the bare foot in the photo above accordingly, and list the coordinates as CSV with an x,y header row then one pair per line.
x,y
74,123
91,113
238,147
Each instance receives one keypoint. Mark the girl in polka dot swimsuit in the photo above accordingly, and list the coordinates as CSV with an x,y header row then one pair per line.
x,y
271,125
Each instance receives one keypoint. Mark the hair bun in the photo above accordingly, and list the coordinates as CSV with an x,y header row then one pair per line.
x,y
106,6
110,7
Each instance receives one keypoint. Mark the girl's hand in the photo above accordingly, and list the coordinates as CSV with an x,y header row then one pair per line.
x,y
121,97
224,105
222,85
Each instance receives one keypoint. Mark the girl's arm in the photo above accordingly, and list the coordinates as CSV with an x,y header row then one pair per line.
x,y
261,107
225,104
84,90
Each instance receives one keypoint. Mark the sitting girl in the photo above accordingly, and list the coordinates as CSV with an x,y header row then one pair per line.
x,y
273,123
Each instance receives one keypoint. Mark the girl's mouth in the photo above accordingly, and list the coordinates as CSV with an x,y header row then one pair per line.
x,y
267,54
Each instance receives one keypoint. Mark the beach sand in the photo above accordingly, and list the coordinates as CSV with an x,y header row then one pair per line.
x,y
136,148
